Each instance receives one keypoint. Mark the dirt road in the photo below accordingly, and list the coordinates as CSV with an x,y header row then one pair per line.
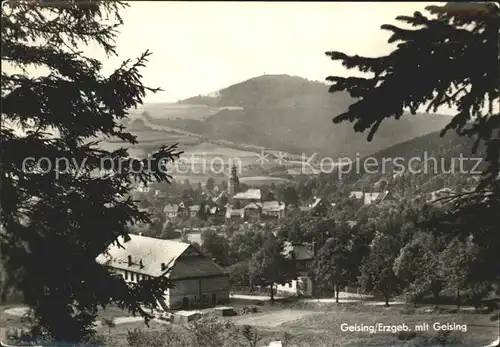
x,y
272,319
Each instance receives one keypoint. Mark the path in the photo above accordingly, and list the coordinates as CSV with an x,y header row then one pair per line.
x,y
342,295
23,310
272,319
345,298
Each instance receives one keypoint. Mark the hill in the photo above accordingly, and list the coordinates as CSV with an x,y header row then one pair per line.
x,y
295,115
429,162
447,151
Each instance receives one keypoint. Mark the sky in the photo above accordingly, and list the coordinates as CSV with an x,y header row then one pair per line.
x,y
201,47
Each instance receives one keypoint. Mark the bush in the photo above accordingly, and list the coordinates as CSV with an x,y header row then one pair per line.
x,y
250,309
445,338
209,331
408,310
98,340
476,293
164,338
406,335
251,335
495,317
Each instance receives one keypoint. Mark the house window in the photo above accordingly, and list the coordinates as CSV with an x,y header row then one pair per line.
x,y
126,275
290,285
132,276
304,284
138,277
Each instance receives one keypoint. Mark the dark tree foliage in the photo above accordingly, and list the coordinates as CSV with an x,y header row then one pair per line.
x,y
331,265
449,58
56,220
269,266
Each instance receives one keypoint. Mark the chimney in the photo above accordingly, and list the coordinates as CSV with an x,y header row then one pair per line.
x,y
163,267
141,264
129,260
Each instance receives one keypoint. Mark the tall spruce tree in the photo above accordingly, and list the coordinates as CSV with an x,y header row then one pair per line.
x,y
450,57
55,220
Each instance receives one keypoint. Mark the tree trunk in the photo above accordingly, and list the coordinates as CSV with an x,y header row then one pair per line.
x,y
272,293
415,301
337,294
386,296
4,289
458,298
436,298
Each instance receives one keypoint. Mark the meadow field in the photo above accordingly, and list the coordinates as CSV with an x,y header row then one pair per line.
x,y
320,324
201,157
256,181
173,110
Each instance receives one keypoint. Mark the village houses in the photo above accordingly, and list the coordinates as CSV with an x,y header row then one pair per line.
x,y
231,204
373,198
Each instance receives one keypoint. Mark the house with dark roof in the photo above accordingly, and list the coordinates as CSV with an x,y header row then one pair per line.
x,y
196,279
276,209
303,256
373,198
234,214
213,210
184,209
385,198
317,207
193,210
171,211
356,195
370,198
439,196
253,211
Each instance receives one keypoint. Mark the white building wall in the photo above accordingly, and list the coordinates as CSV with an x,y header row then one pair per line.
x,y
189,288
300,286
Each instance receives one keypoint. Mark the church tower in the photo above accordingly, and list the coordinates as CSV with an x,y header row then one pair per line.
x,y
233,183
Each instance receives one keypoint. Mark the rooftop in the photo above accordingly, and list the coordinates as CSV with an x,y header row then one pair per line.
x,y
273,205
171,208
302,251
250,194
252,206
147,254
356,195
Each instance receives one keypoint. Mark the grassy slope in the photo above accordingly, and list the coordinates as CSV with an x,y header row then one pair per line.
x,y
323,328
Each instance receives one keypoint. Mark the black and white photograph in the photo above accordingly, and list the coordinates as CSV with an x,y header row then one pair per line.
x,y
249,174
